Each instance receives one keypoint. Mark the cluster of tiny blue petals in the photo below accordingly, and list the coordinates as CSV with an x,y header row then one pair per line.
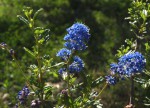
x,y
76,40
111,80
64,54
78,35
131,63
77,65
3,44
113,68
79,31
62,70
128,65
23,94
75,45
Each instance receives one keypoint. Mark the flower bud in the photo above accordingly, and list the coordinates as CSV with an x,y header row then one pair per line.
x,y
35,104
11,51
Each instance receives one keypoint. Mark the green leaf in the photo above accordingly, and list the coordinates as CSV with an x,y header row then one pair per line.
x,y
23,19
55,75
147,46
97,81
31,23
72,80
79,99
39,30
129,41
28,11
34,69
6,83
37,12
30,52
58,64
144,14
41,41
48,91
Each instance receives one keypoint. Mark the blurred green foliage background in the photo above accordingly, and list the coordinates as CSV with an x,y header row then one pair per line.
x,y
108,29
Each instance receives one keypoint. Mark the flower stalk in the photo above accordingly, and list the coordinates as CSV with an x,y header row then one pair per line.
x,y
132,91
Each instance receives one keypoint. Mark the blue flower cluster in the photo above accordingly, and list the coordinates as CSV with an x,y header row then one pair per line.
x,y
77,37
64,54
128,65
77,65
3,44
111,80
23,94
62,70
76,40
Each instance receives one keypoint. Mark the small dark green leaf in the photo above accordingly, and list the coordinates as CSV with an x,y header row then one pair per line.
x,y
39,30
37,12
97,81
23,19
30,52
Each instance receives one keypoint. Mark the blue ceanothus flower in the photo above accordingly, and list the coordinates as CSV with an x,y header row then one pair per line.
x,y
111,80
77,37
129,64
62,70
77,65
23,94
76,40
113,68
64,54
